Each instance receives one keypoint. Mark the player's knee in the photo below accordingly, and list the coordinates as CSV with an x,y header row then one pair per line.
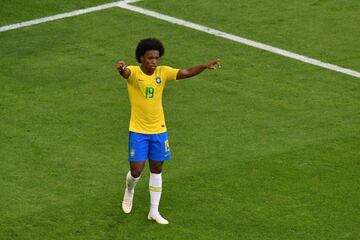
x,y
156,169
136,172
136,168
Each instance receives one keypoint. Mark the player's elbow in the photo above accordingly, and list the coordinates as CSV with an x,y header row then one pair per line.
x,y
183,73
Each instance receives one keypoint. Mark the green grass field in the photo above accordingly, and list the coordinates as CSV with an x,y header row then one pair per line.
x,y
265,148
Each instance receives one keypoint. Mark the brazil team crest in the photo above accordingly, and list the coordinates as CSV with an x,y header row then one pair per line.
x,y
158,80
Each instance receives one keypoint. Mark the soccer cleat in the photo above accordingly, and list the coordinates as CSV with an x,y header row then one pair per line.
x,y
127,201
157,218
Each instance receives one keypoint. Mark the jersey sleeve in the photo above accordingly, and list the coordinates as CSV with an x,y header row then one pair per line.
x,y
132,76
170,73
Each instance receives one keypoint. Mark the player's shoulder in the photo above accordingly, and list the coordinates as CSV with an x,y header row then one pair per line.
x,y
134,67
134,70
167,72
165,68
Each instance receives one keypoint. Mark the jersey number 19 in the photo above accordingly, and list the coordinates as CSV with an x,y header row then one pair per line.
x,y
150,92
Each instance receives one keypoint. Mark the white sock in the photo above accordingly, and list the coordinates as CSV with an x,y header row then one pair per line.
x,y
155,188
131,182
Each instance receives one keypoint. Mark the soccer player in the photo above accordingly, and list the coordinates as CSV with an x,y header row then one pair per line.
x,y
148,138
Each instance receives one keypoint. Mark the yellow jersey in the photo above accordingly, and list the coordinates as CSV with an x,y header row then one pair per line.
x,y
145,95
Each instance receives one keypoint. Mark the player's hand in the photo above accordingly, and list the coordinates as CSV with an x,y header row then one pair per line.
x,y
120,66
213,64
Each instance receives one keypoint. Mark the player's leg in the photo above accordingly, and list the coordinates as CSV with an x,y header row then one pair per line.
x,y
159,152
136,169
132,178
155,189
138,151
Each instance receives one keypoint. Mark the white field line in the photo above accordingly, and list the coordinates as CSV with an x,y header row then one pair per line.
x,y
239,39
125,5
58,16
131,1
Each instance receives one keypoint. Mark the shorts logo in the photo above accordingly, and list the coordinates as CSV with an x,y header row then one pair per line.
x,y
167,146
132,153
158,80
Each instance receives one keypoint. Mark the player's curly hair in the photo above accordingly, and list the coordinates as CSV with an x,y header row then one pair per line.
x,y
148,44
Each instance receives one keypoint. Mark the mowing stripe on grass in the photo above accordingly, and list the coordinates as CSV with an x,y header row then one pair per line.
x,y
239,39
125,5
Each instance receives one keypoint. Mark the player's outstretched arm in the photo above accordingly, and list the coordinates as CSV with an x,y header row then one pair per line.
x,y
123,70
186,73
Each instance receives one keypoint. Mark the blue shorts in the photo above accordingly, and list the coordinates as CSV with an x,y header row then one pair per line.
x,y
144,147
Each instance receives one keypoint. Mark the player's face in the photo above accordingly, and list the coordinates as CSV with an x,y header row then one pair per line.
x,y
150,60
